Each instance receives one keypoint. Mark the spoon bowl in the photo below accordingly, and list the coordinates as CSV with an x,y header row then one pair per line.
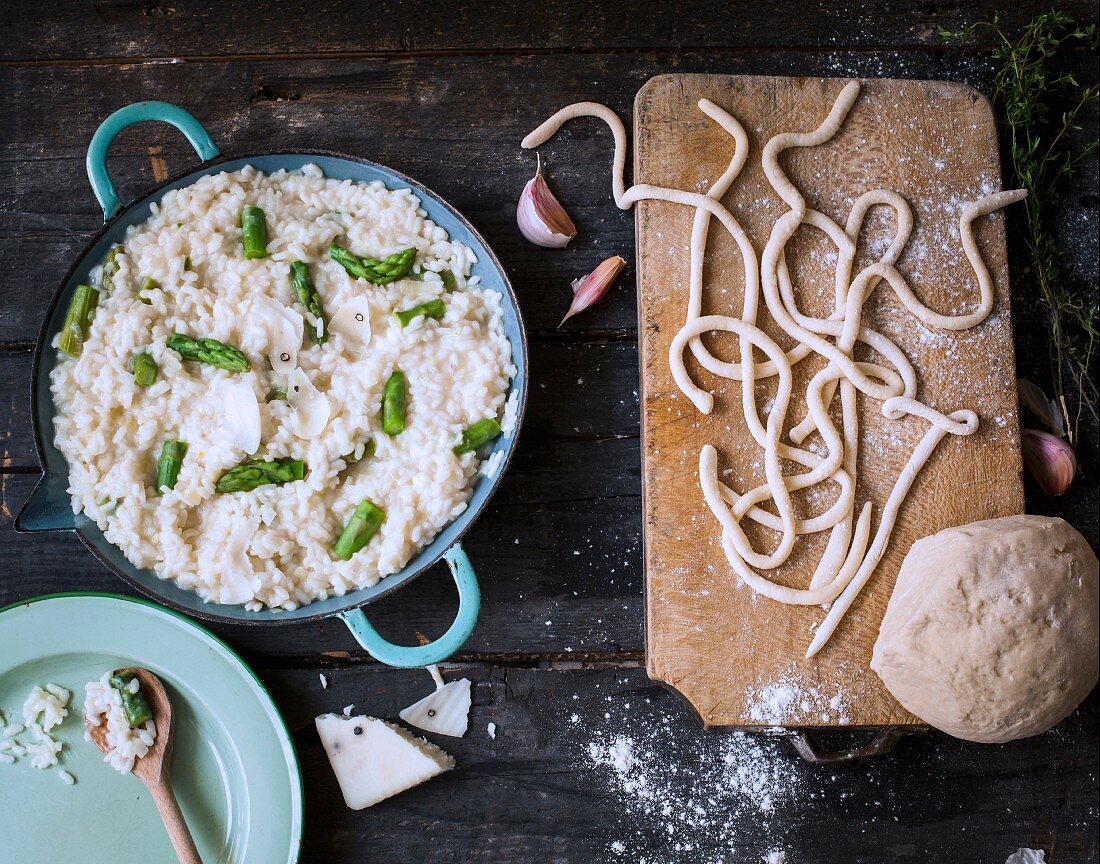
x,y
153,769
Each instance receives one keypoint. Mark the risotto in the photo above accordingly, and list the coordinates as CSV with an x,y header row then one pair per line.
x,y
282,387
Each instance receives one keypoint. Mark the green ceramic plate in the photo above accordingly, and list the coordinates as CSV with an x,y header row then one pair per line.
x,y
234,768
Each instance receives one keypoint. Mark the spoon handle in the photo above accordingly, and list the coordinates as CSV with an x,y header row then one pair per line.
x,y
172,816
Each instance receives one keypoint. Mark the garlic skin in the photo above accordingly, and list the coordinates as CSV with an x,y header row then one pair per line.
x,y
1041,405
540,216
593,287
1049,459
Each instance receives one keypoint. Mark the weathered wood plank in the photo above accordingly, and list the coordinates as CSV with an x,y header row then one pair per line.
x,y
185,28
534,793
454,123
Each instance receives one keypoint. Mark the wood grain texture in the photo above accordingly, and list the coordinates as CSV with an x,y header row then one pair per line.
x,y
445,94
108,30
710,637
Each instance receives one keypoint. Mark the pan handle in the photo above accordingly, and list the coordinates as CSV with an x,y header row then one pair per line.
x,y
406,656
48,509
138,112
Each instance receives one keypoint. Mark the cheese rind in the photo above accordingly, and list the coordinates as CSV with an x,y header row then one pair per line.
x,y
374,760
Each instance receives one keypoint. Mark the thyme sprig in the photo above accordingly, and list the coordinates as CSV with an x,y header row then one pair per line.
x,y
1040,109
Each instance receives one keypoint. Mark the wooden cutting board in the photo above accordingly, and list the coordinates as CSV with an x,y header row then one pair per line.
x,y
736,656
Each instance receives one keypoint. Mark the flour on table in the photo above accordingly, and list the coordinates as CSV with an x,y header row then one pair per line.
x,y
1024,855
718,792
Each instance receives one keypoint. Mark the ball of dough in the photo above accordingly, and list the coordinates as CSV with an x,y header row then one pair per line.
x,y
991,632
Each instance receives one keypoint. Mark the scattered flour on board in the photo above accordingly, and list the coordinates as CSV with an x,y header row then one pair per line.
x,y
781,701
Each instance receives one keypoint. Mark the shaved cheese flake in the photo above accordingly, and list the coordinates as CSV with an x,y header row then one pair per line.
x,y
374,760
352,323
238,580
445,712
238,412
284,327
311,408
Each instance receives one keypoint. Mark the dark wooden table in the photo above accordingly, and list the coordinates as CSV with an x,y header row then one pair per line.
x,y
444,92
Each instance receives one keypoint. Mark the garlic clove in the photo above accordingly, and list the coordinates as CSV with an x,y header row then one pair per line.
x,y
593,287
1049,459
311,407
352,323
445,712
540,216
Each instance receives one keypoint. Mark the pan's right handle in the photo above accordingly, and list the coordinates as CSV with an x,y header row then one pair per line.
x,y
882,743
48,509
408,657
138,112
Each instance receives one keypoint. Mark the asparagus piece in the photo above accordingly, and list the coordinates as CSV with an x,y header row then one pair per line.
x,y
209,351
308,297
260,472
110,268
369,446
394,402
147,284
378,272
446,276
134,704
363,524
78,318
254,232
434,309
144,369
168,465
481,432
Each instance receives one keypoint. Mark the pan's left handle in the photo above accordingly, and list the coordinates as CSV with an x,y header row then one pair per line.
x,y
48,509
138,112
408,656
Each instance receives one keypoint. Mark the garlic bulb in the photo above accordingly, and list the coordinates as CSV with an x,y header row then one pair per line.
x,y
352,323
284,327
445,712
593,287
311,408
540,217
1049,459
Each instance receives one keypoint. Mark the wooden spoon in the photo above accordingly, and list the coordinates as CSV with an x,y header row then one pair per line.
x,y
152,768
